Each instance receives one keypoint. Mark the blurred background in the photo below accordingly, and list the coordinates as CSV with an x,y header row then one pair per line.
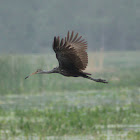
x,y
29,26
57,107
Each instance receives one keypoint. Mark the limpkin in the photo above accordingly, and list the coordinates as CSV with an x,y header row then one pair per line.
x,y
72,57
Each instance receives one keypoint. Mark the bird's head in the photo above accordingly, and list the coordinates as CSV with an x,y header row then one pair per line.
x,y
38,71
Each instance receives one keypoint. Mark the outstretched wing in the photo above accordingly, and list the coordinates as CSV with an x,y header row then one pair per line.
x,y
71,53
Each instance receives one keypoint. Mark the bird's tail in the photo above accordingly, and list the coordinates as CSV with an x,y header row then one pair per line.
x,y
96,80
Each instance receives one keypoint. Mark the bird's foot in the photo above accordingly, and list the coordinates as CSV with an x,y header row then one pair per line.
x,y
101,81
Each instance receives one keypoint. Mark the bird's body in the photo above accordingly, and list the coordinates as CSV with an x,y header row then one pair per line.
x,y
69,73
72,57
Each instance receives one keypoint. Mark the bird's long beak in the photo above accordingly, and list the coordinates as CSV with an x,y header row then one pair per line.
x,y
30,75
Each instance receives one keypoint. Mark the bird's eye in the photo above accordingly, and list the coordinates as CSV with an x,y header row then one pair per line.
x,y
38,70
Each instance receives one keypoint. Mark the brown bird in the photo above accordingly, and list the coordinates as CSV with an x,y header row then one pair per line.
x,y
72,57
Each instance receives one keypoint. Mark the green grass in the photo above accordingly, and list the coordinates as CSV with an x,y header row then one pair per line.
x,y
56,107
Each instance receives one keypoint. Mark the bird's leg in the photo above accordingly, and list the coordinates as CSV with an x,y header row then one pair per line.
x,y
96,80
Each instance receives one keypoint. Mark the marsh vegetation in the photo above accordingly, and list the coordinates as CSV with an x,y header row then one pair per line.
x,y
57,107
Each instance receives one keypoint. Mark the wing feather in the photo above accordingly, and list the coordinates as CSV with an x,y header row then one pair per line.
x,y
75,37
71,53
71,36
68,36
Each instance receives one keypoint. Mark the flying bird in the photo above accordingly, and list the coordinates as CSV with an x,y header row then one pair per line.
x,y
72,57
